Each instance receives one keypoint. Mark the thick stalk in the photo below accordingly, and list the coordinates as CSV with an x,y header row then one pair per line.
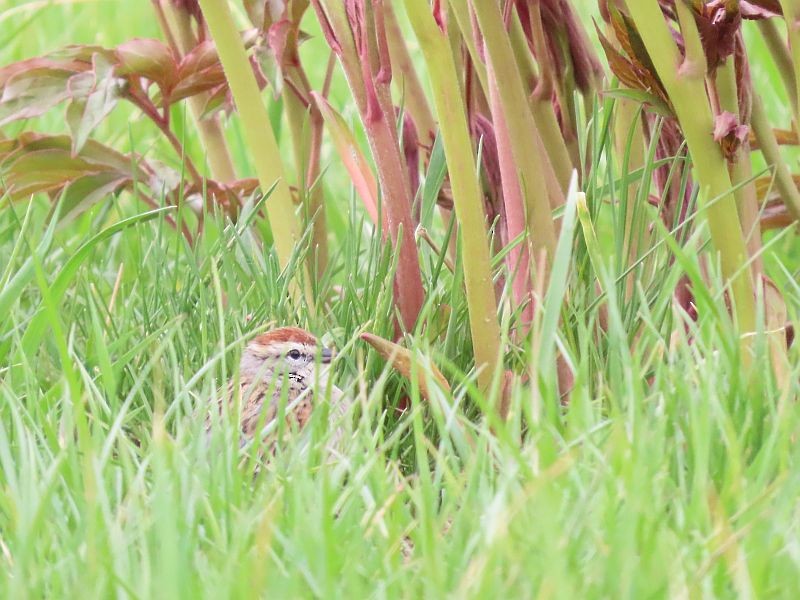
x,y
518,260
178,28
368,73
460,9
521,127
542,104
258,132
686,88
741,170
557,173
408,82
467,196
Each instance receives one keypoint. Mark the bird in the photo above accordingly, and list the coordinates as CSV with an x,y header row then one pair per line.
x,y
284,362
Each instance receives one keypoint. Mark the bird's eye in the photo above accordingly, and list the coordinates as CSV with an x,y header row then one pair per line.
x,y
294,354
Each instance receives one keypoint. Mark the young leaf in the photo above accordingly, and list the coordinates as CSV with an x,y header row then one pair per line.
x,y
86,112
150,59
352,157
32,92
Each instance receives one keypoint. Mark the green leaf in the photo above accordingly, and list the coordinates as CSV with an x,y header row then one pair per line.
x,y
38,324
653,102
434,178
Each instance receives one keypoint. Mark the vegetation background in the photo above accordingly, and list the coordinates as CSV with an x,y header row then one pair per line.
x,y
672,471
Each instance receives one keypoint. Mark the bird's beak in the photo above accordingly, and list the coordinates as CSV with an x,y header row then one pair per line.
x,y
327,355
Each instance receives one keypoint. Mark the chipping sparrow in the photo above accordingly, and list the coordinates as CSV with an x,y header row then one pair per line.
x,y
284,357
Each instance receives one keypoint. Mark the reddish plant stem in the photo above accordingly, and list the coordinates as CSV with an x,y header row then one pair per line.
x,y
143,103
352,32
518,258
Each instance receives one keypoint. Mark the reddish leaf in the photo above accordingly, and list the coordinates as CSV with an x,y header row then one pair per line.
x,y
218,99
86,111
270,69
201,57
729,133
34,163
354,160
81,53
632,44
42,62
150,59
199,71
43,171
760,9
718,26
278,36
84,192
31,93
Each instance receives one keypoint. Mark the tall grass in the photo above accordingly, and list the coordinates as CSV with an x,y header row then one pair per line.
x,y
669,473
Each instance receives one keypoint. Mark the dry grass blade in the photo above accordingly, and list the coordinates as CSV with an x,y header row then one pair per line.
x,y
404,362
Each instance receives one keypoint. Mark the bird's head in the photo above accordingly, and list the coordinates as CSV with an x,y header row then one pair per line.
x,y
288,352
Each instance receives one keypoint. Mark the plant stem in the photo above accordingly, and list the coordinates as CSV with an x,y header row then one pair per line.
x,y
258,132
629,144
790,14
467,196
305,123
772,154
460,9
686,87
367,67
177,28
146,106
521,126
780,54
409,83
740,168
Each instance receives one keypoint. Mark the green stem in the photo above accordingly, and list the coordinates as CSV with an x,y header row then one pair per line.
x,y
780,54
790,9
522,128
177,28
305,124
408,81
629,144
685,85
740,168
460,9
772,154
467,196
258,133
556,161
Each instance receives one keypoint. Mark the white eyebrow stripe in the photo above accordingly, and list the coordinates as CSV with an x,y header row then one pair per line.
x,y
284,347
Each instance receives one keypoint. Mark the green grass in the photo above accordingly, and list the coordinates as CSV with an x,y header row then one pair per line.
x,y
671,473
